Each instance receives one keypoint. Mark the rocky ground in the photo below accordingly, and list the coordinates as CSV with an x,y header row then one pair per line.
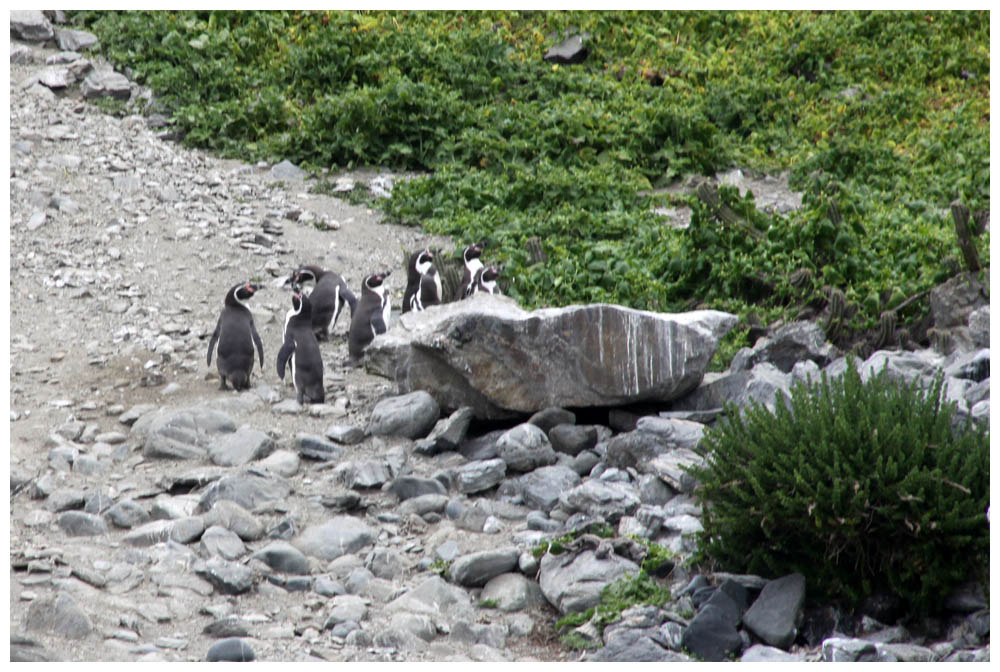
x,y
156,518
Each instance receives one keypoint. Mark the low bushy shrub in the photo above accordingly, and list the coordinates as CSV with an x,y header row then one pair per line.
x,y
863,487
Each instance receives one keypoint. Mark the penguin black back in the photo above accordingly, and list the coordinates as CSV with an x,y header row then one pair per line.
x,y
423,285
471,258
237,336
369,319
301,350
328,297
486,280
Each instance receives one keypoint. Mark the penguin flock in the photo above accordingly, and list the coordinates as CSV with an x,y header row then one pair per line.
x,y
313,316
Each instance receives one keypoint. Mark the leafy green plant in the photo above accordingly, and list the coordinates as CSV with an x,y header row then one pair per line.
x,y
860,486
491,603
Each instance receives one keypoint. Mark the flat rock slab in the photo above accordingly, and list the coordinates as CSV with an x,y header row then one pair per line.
x,y
574,583
488,353
58,615
475,569
336,537
774,613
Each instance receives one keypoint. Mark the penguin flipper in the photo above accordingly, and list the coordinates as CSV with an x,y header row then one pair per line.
x,y
378,324
215,337
348,295
258,343
284,355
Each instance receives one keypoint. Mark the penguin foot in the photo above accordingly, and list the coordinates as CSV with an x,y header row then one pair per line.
x,y
222,385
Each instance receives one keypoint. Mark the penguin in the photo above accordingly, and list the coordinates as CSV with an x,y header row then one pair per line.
x,y
237,336
327,298
486,280
423,285
370,318
301,349
472,264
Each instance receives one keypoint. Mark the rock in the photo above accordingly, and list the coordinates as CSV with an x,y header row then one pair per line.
x,y
572,439
787,346
475,569
672,469
74,40
338,536
447,433
676,433
979,327
227,626
584,463
953,301
525,447
57,78
774,614
317,448
36,221
286,170
573,582
58,615
348,435
182,434
512,592
762,385
242,446
481,447
229,578
419,625
233,517
627,645
973,365
571,50
188,529
480,475
711,635
411,415
423,504
127,514
434,597
547,418
249,489
106,84
231,649
846,650
967,598
489,354
345,608
282,463
80,524
283,557
226,544
636,449
605,499
540,488
653,491
406,487
130,416
30,25
761,653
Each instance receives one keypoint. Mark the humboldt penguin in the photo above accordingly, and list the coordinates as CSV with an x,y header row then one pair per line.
x,y
327,298
301,350
423,284
370,318
236,335
486,280
470,256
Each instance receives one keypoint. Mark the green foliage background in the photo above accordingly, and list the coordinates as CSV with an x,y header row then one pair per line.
x,y
514,147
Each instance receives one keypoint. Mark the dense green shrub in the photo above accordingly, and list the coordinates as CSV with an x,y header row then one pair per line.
x,y
861,487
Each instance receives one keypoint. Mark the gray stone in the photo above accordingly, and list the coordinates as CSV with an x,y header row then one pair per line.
x,y
423,504
182,434
327,587
282,463
584,463
363,474
186,530
711,635
640,645
480,475
227,626
788,345
30,25
359,581
547,418
283,557
233,517
672,468
58,615
979,327
448,433
572,439
152,533
573,582
904,653
761,653
525,447
229,578
481,447
411,415
74,40
847,650
406,487
571,50
217,540
967,598
239,447
419,625
106,84
80,524
537,520
606,499
127,514
286,170
653,491
475,569
231,649
489,354
973,365
953,301
338,536
36,221
512,592
540,488
130,416
345,608
249,489
434,597
57,78
21,54
676,433
348,435
762,384
387,563
315,447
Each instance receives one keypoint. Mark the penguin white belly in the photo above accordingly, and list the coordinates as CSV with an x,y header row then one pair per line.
x,y
295,379
437,285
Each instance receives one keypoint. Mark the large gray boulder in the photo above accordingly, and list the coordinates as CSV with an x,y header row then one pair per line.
x,y
502,361
573,582
30,25
184,433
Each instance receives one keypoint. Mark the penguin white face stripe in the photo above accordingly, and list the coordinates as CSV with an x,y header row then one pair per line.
x,y
423,266
474,265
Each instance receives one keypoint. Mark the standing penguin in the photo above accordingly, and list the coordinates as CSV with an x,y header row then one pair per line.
x,y
236,334
423,285
486,280
370,317
327,298
301,348
472,264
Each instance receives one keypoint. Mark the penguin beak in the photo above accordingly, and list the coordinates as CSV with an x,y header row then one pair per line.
x,y
386,274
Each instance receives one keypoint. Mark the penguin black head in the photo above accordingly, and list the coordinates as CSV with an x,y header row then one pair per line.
x,y
303,274
491,273
300,304
473,251
241,293
375,279
424,261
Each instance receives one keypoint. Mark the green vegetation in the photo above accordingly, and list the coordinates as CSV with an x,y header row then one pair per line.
x,y
861,487
881,118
